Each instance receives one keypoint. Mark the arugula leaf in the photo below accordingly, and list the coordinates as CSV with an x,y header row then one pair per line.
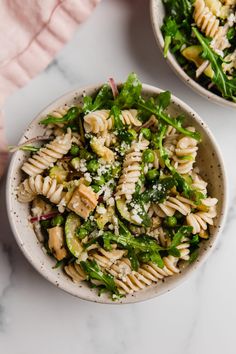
x,y
103,99
116,114
130,92
194,255
220,79
174,252
157,108
163,100
179,9
172,35
141,243
183,231
24,148
72,114
152,257
133,259
158,192
59,264
92,269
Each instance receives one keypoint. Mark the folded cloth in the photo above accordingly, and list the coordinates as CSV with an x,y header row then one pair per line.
x,y
31,33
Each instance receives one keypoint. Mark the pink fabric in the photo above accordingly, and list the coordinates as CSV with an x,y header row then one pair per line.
x,y
31,33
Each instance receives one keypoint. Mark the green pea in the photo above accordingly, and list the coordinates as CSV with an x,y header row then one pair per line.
x,y
148,156
132,134
171,221
82,233
100,181
45,224
58,220
92,165
152,174
74,151
146,133
96,188
178,215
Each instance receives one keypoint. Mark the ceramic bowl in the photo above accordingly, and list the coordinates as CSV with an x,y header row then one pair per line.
x,y
157,16
212,170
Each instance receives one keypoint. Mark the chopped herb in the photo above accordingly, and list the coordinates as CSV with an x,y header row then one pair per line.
x,y
94,272
72,114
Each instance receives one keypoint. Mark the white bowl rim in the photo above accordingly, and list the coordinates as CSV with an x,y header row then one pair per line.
x,y
178,280
177,68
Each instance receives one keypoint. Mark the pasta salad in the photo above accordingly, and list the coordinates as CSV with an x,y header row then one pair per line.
x,y
202,36
115,194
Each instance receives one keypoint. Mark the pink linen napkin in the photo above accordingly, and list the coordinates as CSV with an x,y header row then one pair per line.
x,y
31,33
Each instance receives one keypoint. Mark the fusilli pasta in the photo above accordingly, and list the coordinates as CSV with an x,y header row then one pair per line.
x,y
48,155
204,18
131,169
100,121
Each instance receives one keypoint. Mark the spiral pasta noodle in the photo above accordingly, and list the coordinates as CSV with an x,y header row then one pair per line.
x,y
48,155
201,219
178,203
129,281
58,113
75,272
47,187
185,155
131,170
205,19
100,121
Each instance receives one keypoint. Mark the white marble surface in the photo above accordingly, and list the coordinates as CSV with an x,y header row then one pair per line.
x,y
197,317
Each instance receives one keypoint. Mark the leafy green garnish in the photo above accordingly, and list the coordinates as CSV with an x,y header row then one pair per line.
x,y
224,84
72,114
24,148
133,259
141,244
94,272
183,231
179,9
154,257
157,192
157,108
172,35
102,99
130,92
194,255
116,115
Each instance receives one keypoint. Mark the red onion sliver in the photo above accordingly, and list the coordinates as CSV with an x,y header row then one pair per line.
x,y
44,217
113,86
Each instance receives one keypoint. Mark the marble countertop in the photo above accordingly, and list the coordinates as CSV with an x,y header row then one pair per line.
x,y
197,317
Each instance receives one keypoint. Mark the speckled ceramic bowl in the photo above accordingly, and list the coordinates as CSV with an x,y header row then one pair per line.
x,y
211,167
157,17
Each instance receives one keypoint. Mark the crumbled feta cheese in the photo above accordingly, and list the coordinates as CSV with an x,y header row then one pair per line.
x,y
107,194
231,19
101,210
87,177
136,218
111,201
82,165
